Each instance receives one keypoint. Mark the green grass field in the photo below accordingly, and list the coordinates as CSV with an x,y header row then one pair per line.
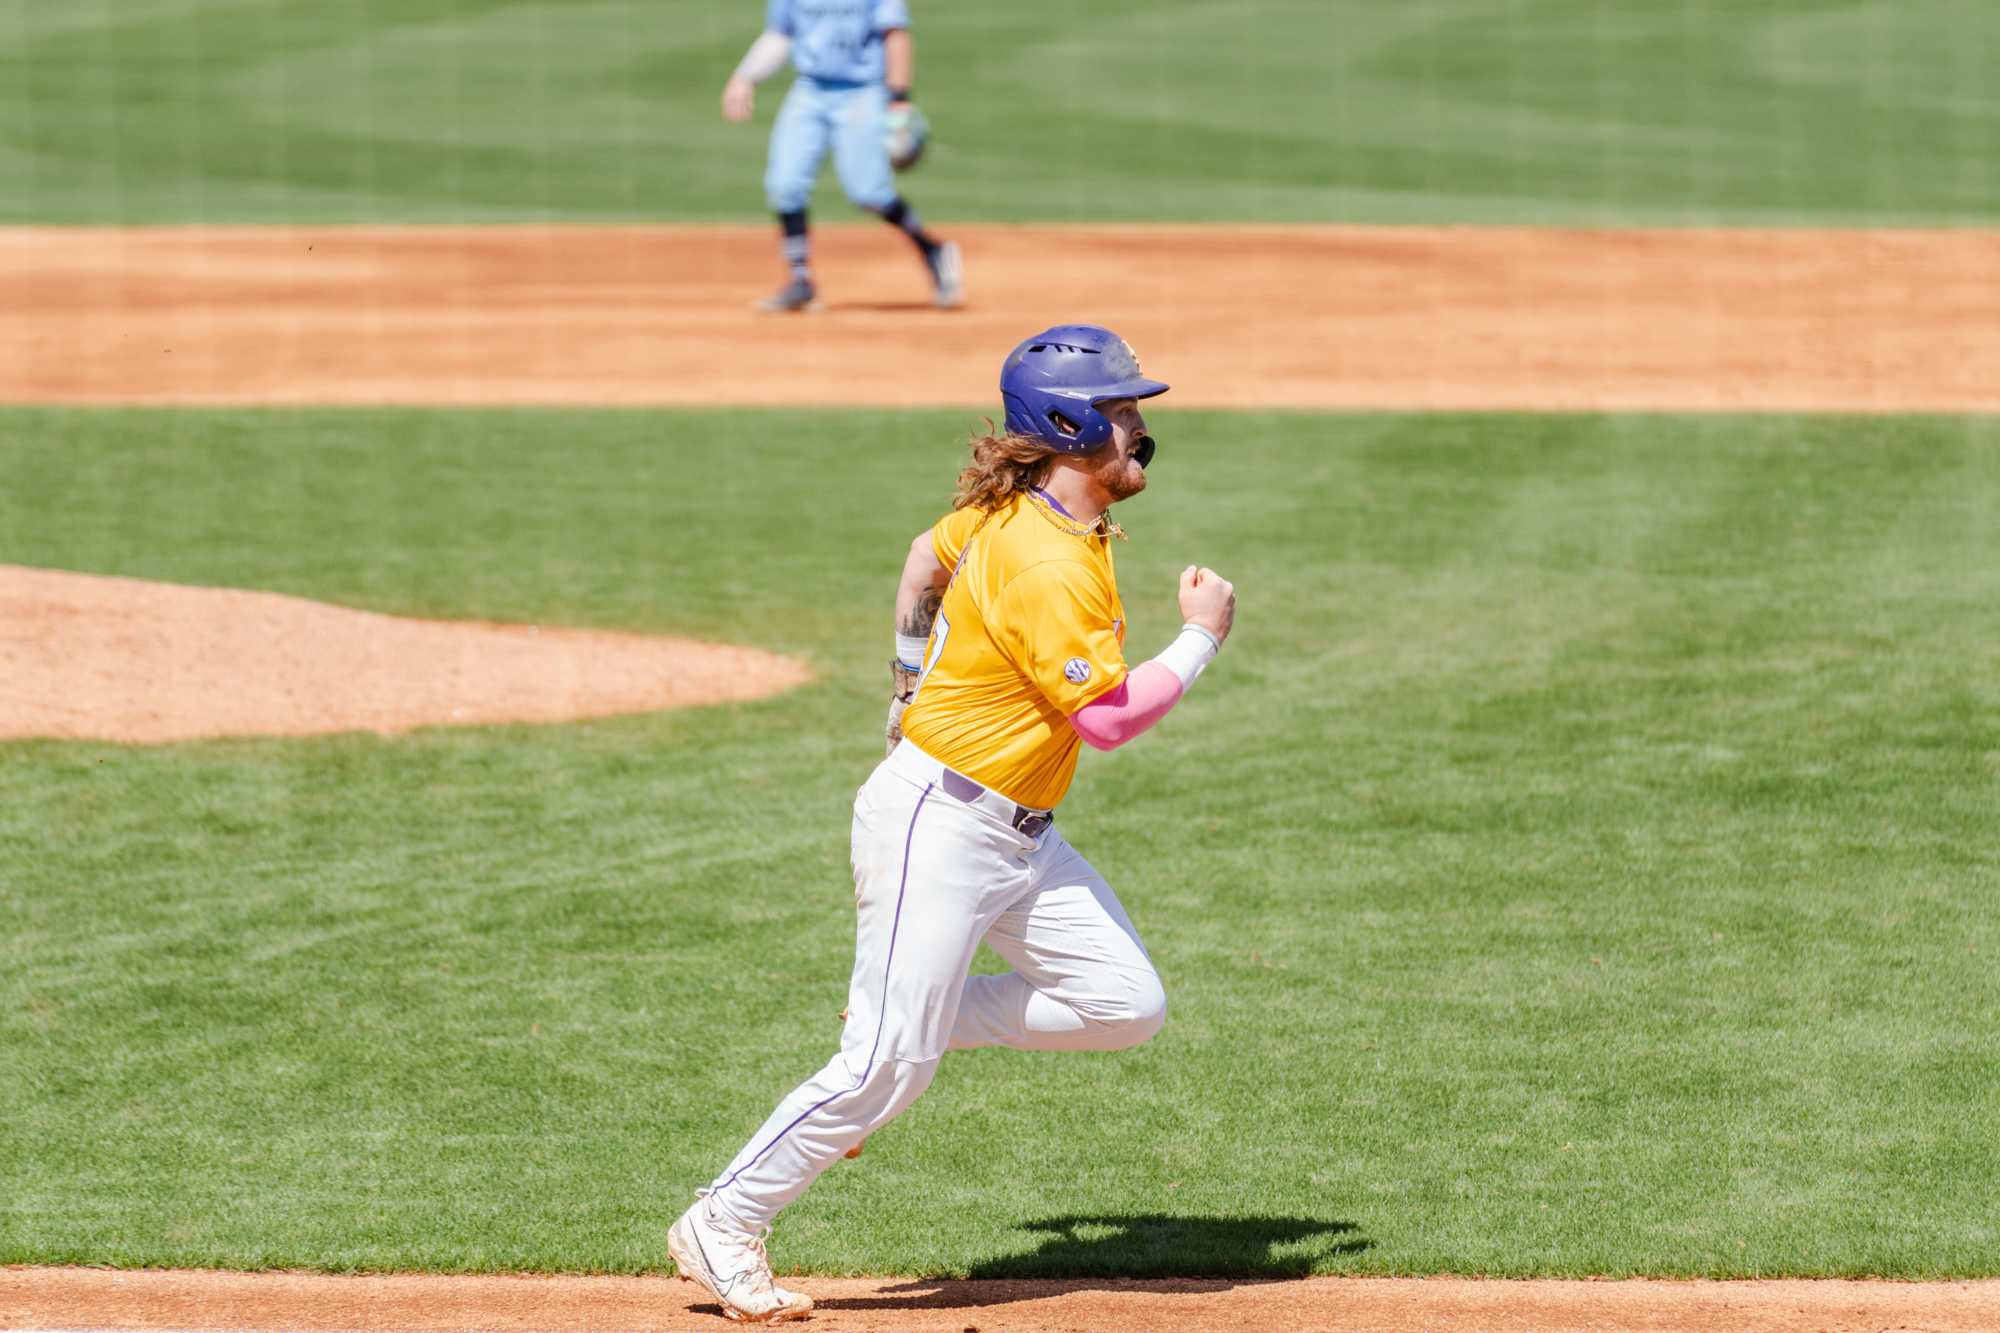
x,y
1581,860
1595,111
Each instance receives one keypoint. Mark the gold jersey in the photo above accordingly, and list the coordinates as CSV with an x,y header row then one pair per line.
x,y
1030,630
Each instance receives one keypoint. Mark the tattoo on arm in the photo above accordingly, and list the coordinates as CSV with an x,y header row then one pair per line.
x,y
923,615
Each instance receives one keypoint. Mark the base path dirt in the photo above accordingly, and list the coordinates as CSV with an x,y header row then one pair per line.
x,y
96,1298
1245,316
89,657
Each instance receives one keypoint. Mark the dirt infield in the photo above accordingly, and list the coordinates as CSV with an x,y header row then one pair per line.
x,y
1234,316
89,657
78,1297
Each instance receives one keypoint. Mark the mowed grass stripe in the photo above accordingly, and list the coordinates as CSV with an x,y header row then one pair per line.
x,y
1786,111
1580,861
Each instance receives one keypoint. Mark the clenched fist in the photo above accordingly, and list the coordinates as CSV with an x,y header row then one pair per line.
x,y
1208,600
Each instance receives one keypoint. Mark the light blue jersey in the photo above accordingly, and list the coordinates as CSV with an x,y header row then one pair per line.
x,y
837,103
837,41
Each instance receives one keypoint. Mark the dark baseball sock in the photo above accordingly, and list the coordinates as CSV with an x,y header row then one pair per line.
x,y
797,244
900,215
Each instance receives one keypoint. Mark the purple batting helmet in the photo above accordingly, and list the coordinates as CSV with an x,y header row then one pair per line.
x,y
1052,383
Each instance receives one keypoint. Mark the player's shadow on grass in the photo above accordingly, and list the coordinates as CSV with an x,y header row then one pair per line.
x,y
1156,1252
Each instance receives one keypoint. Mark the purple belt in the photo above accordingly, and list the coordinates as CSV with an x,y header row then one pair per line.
x,y
1027,821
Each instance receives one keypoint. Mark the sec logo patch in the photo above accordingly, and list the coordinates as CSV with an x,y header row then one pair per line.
x,y
1076,671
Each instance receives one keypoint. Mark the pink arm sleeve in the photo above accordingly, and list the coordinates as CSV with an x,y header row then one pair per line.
x,y
1116,716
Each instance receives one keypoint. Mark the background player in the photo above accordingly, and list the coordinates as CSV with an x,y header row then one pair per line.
x,y
856,59
1009,635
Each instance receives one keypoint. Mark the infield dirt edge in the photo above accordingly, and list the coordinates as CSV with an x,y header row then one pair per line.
x,y
54,1297
1318,317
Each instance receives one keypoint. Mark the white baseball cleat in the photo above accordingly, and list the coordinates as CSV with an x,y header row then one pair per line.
x,y
734,1268
947,276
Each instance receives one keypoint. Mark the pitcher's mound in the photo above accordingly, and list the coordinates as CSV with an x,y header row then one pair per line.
x,y
85,657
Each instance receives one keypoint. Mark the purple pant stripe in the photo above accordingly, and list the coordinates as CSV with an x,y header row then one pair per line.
x,y
881,1018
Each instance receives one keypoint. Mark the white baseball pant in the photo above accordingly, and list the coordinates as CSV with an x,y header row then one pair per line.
x,y
934,874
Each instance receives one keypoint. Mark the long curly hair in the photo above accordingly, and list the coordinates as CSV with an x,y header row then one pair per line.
x,y
1003,465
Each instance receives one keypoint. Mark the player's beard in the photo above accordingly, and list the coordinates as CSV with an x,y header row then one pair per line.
x,y
1125,480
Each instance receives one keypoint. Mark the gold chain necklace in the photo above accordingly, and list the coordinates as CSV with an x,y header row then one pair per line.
x,y
1103,525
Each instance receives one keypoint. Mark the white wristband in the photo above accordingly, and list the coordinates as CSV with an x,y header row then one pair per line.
x,y
1192,649
910,650
766,56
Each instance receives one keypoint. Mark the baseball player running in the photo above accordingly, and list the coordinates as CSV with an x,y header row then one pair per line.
x,y
855,62
1009,657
